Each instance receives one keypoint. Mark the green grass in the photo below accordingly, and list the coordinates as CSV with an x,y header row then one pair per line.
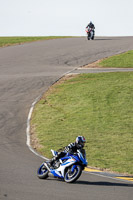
x,y
8,41
98,106
124,60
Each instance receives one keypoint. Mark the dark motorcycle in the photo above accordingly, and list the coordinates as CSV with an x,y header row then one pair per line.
x,y
90,33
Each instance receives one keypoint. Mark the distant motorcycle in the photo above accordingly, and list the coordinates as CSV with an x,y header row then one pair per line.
x,y
90,33
68,168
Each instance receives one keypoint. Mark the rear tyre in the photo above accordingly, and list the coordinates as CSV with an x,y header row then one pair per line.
x,y
42,172
71,177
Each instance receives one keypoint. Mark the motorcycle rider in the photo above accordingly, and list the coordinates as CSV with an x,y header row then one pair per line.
x,y
91,25
71,148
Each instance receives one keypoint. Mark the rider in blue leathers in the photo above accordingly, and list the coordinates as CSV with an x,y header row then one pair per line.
x,y
71,148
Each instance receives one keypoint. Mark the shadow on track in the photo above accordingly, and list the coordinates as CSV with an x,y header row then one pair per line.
x,y
103,39
104,183
101,183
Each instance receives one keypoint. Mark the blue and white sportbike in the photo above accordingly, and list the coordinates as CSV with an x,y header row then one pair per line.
x,y
68,168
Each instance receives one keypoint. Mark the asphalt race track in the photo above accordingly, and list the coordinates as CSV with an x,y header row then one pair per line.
x,y
26,71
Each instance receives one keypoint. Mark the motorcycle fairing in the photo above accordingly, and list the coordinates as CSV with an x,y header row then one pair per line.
x,y
61,170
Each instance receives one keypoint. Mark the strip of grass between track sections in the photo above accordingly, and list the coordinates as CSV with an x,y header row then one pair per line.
x,y
98,106
124,60
8,41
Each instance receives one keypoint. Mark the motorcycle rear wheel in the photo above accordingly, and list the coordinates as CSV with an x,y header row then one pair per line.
x,y
72,177
42,172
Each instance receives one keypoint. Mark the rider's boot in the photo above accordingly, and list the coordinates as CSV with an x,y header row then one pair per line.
x,y
51,162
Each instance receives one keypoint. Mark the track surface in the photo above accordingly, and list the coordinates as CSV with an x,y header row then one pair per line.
x,y
26,71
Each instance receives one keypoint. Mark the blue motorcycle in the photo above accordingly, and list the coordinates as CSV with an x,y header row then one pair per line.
x,y
68,168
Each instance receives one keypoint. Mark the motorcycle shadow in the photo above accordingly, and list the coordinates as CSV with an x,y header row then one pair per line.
x,y
99,183
104,39
104,183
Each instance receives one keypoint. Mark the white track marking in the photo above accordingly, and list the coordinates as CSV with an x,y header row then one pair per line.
x,y
28,129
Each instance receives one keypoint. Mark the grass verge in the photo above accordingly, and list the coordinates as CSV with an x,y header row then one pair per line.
x,y
8,41
124,60
98,106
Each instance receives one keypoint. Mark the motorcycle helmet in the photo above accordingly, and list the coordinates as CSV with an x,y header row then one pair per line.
x,y
80,141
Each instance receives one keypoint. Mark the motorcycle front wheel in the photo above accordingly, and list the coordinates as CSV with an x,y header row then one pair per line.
x,y
88,37
70,176
42,172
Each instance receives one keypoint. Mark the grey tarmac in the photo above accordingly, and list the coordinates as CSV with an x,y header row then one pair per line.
x,y
26,72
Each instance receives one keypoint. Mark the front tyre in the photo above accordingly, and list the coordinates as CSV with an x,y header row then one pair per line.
x,y
42,172
70,176
88,37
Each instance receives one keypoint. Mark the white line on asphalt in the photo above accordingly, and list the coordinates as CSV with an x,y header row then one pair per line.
x,y
109,177
28,142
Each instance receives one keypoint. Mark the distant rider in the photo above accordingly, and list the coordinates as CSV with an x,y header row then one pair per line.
x,y
91,25
71,148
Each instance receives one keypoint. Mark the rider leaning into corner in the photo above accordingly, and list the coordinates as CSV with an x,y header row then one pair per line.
x,y
91,25
71,148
